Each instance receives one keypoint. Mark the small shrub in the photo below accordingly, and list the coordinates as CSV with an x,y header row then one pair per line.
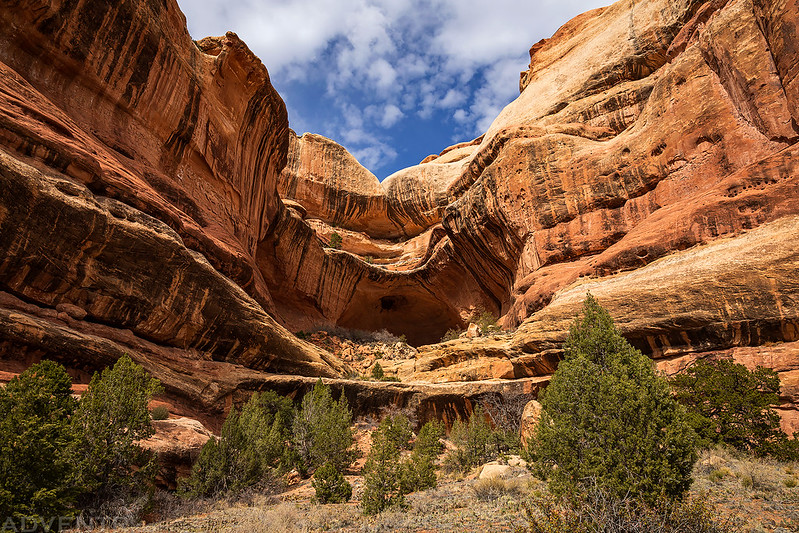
x,y
159,413
487,322
383,336
377,372
330,485
369,259
281,518
719,474
505,412
335,240
789,482
321,430
756,474
494,487
451,335
596,510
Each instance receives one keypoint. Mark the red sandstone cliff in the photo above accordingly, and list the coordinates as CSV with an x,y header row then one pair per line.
x,y
650,158
641,130
138,175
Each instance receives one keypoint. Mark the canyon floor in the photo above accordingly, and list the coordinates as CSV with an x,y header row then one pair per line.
x,y
749,494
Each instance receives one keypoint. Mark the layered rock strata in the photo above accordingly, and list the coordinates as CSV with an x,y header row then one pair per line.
x,y
641,130
137,178
650,158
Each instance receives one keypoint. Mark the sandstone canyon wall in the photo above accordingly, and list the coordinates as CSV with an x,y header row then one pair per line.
x,y
154,200
650,158
138,174
641,129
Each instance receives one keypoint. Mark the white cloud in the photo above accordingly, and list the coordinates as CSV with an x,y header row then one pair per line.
x,y
391,115
375,155
385,60
453,98
383,74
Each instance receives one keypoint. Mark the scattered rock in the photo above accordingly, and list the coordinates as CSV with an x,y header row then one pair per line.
x,y
530,417
495,470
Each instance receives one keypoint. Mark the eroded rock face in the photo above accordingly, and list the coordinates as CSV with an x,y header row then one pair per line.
x,y
650,158
177,442
138,175
641,130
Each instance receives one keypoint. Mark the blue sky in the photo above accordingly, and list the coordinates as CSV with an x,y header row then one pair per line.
x,y
391,80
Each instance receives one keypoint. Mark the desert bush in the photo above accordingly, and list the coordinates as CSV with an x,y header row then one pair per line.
x,y
607,417
321,431
381,471
34,432
757,474
335,240
487,322
377,372
731,404
280,518
505,410
595,510
451,335
159,413
384,336
250,451
110,421
719,474
330,485
419,471
477,442
495,487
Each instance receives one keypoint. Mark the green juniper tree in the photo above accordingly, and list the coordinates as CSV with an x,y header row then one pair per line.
x,y
382,468
731,404
608,420
419,471
477,442
321,431
110,421
330,486
251,450
34,432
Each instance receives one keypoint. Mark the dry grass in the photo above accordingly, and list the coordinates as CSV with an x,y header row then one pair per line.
x,y
759,495
496,487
